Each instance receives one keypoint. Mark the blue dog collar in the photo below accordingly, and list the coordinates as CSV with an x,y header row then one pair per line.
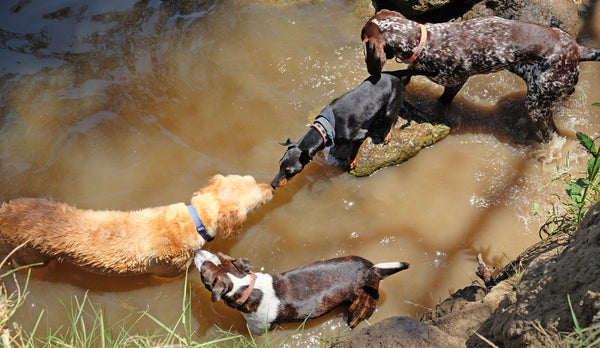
x,y
326,121
199,226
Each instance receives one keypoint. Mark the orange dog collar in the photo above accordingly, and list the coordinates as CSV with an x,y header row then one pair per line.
x,y
248,290
421,44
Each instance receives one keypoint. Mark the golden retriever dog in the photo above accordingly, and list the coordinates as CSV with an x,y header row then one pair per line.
x,y
159,240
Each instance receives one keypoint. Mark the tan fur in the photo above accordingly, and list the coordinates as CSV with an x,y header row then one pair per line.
x,y
159,240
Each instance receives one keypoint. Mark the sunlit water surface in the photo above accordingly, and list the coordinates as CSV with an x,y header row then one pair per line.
x,y
118,105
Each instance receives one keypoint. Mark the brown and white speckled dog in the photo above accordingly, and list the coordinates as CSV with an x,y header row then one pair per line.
x,y
546,58
159,240
306,292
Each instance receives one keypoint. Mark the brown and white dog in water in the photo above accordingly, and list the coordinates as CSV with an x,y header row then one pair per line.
x,y
306,292
159,240
546,58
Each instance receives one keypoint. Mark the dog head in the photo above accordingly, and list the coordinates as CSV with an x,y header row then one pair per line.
x,y
374,48
292,163
226,200
216,272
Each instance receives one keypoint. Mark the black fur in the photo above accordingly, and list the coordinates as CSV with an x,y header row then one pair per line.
x,y
369,110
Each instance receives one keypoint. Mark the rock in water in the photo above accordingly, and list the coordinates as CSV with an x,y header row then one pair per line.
x,y
408,138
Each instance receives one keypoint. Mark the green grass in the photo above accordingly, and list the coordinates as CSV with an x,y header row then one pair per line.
x,y
582,337
581,192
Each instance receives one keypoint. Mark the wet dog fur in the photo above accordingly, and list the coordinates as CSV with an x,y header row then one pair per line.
x,y
547,59
309,291
159,240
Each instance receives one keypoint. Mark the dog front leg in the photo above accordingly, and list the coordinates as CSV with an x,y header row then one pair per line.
x,y
353,158
450,93
388,133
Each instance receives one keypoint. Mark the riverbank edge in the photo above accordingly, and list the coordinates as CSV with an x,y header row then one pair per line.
x,y
521,310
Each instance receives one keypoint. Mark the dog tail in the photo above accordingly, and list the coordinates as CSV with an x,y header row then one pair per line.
x,y
383,270
588,54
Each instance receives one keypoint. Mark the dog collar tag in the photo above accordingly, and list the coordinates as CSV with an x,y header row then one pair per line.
x,y
199,226
248,290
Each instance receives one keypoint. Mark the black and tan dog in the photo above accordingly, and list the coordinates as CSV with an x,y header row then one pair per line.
x,y
309,291
369,110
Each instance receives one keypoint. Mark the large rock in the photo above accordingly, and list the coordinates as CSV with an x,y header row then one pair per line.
x,y
564,14
399,332
467,310
412,8
407,140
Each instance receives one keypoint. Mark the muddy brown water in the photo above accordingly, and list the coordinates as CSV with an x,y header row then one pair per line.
x,y
118,105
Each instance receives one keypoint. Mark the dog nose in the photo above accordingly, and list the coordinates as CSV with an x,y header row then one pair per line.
x,y
278,182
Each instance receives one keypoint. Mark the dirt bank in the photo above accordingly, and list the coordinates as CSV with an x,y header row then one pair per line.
x,y
527,308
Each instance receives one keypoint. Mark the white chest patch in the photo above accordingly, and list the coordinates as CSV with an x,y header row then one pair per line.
x,y
268,308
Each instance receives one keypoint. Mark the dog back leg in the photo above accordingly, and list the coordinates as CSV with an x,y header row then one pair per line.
x,y
540,113
363,306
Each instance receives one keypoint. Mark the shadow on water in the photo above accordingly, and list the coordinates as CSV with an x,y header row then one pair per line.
x,y
476,227
507,119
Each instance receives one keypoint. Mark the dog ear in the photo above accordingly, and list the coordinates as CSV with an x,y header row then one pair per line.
x,y
375,55
208,274
288,143
304,158
229,223
373,48
224,258
243,265
214,181
220,288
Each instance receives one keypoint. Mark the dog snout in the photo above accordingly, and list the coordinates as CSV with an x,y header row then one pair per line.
x,y
279,180
201,256
278,183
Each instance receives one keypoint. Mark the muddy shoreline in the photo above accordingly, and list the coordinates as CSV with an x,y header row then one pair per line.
x,y
505,315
